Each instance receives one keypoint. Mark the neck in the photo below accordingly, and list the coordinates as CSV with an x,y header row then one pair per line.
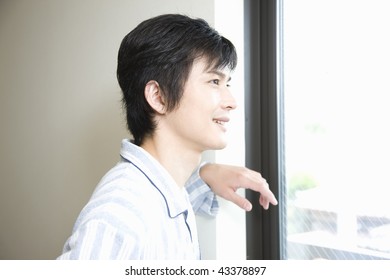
x,y
177,160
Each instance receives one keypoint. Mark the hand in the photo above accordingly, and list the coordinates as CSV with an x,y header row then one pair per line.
x,y
225,180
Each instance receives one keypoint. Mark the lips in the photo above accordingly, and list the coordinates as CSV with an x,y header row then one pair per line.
x,y
221,120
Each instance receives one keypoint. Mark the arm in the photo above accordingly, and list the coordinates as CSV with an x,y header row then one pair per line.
x,y
225,180
202,198
97,239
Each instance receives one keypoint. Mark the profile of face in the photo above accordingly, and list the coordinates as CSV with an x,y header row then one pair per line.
x,y
200,120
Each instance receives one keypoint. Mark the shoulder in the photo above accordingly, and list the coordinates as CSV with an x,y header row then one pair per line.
x,y
122,198
126,181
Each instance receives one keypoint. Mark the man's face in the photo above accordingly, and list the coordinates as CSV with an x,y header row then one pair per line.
x,y
200,120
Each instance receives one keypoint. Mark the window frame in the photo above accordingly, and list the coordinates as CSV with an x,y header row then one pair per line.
x,y
264,125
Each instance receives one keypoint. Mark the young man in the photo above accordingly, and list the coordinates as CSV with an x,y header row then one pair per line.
x,y
174,73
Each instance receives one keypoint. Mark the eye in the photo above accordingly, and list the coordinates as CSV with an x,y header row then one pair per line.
x,y
215,81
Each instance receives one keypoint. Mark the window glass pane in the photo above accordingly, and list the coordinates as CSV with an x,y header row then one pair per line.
x,y
337,133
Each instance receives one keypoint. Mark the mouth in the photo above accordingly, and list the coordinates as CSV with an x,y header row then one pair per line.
x,y
221,121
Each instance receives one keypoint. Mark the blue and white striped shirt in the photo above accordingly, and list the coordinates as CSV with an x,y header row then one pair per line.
x,y
138,212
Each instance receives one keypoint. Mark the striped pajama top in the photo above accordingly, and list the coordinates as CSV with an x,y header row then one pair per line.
x,y
137,211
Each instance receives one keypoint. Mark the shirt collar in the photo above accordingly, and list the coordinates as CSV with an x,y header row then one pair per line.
x,y
175,196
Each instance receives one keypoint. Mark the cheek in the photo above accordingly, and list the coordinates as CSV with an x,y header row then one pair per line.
x,y
199,105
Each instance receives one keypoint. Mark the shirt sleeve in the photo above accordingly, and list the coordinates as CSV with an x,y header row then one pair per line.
x,y
98,240
203,200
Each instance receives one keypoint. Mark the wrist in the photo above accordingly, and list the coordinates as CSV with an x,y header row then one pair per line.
x,y
205,172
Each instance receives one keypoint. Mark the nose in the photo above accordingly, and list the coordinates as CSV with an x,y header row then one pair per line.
x,y
228,100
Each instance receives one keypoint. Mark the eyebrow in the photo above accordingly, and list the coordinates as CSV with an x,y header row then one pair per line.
x,y
220,74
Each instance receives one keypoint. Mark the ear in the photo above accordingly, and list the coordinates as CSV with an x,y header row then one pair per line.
x,y
153,96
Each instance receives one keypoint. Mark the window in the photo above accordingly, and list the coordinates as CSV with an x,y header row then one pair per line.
x,y
317,127
336,69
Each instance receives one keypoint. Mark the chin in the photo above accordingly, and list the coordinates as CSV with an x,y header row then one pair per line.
x,y
214,143
219,146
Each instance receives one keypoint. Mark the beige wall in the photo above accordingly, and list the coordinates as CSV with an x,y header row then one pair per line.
x,y
60,113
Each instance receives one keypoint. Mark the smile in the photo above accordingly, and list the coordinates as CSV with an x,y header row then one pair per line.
x,y
222,120
219,122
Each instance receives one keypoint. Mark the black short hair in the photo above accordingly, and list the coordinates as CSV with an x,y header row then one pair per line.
x,y
163,49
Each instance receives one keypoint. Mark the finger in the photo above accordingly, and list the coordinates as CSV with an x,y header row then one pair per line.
x,y
259,184
262,187
240,201
264,202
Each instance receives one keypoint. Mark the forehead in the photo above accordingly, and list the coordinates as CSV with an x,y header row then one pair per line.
x,y
203,66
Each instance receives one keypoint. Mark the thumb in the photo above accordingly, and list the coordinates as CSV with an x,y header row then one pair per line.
x,y
240,201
